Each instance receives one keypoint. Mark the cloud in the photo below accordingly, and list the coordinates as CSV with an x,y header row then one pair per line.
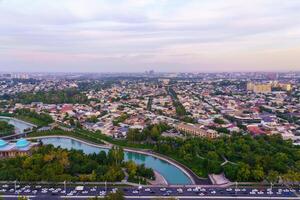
x,y
131,35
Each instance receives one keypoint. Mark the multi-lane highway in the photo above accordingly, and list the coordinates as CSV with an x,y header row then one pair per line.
x,y
42,192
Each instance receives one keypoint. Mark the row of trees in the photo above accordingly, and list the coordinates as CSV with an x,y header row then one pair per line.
x,y
52,97
120,119
6,128
149,134
41,119
55,164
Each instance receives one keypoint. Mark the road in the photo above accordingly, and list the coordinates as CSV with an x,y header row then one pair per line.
x,y
36,192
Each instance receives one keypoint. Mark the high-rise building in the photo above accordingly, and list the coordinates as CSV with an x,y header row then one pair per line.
x,y
259,87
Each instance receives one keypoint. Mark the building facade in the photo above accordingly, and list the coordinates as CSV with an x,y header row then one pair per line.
x,y
21,148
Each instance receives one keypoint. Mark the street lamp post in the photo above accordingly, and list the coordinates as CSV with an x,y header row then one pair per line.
x,y
65,186
15,185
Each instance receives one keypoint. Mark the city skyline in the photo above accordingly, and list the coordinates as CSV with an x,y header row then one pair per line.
x,y
135,36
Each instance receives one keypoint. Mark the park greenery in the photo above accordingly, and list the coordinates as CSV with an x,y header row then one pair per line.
x,y
241,157
70,95
6,128
41,119
48,163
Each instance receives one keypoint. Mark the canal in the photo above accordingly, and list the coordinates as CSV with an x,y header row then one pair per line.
x,y
170,172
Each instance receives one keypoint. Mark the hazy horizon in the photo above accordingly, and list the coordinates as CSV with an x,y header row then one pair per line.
x,y
139,35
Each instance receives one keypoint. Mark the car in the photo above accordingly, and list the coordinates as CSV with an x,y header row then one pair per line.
x,y
201,194
213,192
252,192
147,189
5,186
180,191
135,192
163,189
70,194
229,189
38,186
44,191
84,192
270,192
63,192
189,190
166,194
34,191
12,190
260,192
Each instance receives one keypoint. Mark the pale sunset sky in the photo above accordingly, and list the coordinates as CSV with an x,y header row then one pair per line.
x,y
139,35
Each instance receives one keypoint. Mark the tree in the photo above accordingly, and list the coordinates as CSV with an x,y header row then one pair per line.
x,y
115,196
116,155
258,173
243,173
272,176
219,121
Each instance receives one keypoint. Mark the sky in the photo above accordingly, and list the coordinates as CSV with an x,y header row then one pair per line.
x,y
140,35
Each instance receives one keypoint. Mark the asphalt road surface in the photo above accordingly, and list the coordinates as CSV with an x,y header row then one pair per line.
x,y
42,192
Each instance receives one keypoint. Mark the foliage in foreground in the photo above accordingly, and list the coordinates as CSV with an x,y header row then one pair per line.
x,y
55,164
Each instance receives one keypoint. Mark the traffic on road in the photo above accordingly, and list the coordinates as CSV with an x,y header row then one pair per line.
x,y
78,191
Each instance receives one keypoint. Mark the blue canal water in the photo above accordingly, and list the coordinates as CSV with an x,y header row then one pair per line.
x,y
19,125
171,173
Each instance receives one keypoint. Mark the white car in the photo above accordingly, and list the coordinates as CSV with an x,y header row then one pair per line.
x,y
189,189
163,189
270,192
147,189
179,190
102,193
229,189
135,192
213,192
85,192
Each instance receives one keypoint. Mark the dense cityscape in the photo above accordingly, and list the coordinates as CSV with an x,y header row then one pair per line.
x,y
149,99
219,129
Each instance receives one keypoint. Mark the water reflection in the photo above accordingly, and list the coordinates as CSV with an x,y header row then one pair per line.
x,y
170,172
